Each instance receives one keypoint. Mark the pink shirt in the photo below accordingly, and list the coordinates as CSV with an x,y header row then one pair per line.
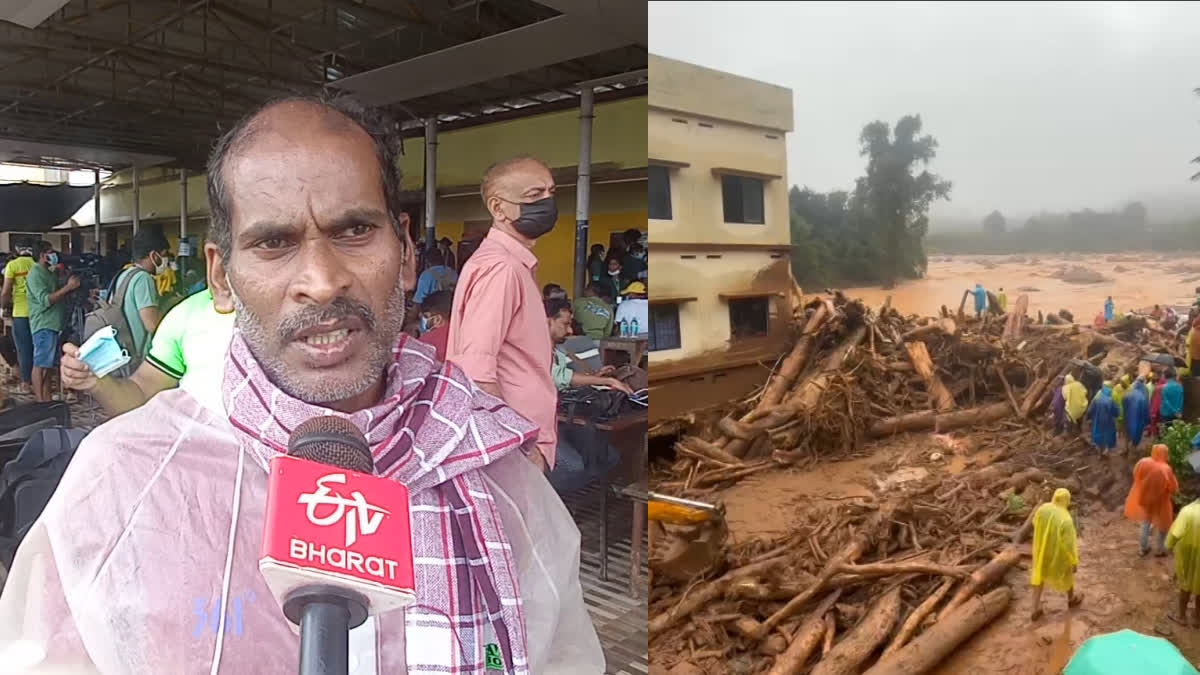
x,y
498,332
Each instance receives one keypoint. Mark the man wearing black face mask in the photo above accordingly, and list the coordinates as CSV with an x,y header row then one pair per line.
x,y
498,323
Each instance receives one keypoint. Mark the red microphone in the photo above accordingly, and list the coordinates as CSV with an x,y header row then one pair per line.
x,y
337,543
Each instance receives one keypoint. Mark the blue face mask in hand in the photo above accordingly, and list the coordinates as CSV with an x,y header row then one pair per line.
x,y
102,353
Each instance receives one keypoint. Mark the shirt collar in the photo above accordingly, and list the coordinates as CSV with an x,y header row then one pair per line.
x,y
513,247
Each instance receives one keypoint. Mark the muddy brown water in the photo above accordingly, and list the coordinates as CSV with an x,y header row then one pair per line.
x,y
1148,279
1121,590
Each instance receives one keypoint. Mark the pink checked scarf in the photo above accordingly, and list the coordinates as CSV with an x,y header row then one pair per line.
x,y
433,431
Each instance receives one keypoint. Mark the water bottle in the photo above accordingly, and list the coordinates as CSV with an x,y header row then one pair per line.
x,y
634,329
624,328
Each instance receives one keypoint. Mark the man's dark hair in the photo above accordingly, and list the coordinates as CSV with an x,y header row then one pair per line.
x,y
549,289
596,288
556,306
1169,373
146,241
445,241
631,236
43,247
382,129
438,302
597,249
434,257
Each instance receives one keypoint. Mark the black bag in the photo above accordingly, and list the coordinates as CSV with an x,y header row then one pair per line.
x,y
28,481
592,403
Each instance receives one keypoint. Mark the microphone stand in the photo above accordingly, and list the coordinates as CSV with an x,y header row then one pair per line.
x,y
325,615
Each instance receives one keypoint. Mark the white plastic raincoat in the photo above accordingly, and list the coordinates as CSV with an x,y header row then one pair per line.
x,y
154,535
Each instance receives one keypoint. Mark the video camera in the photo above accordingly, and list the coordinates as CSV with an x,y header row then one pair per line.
x,y
90,269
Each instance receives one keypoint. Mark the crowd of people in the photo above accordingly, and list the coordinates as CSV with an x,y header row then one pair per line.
x,y
1122,410
1148,503
314,296
47,302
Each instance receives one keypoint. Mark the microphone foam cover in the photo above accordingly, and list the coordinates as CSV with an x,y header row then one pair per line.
x,y
332,440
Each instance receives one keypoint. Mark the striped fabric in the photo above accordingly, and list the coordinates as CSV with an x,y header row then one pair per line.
x,y
433,431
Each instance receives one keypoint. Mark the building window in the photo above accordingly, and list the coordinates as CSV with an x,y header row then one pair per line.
x,y
748,317
664,327
743,199
660,193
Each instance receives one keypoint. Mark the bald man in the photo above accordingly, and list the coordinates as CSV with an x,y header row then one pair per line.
x,y
498,324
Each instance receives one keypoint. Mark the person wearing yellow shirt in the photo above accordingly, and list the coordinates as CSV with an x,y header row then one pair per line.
x,y
14,293
1002,300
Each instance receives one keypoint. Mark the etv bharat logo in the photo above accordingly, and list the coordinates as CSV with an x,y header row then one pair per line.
x,y
358,514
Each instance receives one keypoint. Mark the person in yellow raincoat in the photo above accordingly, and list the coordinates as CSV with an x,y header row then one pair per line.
x,y
1075,400
1118,393
1055,551
1184,540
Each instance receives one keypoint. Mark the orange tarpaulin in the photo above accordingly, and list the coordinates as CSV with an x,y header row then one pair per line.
x,y
1153,484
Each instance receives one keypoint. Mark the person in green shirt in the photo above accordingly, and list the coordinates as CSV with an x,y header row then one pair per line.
x,y
188,351
15,273
559,319
594,314
140,304
45,300
571,471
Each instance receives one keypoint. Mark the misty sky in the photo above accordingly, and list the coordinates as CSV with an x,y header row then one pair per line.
x,y
1035,106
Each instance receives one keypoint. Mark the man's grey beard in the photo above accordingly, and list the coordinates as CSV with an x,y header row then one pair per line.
x,y
266,345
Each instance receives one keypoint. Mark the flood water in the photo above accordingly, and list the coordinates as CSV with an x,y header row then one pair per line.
x,y
1134,280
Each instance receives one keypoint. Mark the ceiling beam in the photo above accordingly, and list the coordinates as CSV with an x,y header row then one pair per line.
x,y
516,51
141,35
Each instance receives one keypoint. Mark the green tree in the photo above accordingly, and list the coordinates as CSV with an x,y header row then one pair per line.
x,y
891,200
995,223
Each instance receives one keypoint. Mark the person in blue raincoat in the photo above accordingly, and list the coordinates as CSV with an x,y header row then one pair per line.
x,y
1109,309
1136,407
981,300
1103,413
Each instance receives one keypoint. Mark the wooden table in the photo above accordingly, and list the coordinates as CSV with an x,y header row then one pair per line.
x,y
602,430
634,346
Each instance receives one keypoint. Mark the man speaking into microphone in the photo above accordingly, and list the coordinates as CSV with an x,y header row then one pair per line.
x,y
146,560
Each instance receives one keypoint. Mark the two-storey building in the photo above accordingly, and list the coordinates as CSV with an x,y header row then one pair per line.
x,y
719,234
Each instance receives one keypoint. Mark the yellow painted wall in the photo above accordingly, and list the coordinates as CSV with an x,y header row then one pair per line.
x,y
618,135
615,207
689,88
696,204
704,322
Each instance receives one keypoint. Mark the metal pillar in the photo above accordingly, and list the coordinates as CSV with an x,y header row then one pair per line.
x,y
96,211
583,188
431,143
137,207
183,216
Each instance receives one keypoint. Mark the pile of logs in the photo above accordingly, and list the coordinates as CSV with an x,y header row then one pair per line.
x,y
894,583
854,375
889,584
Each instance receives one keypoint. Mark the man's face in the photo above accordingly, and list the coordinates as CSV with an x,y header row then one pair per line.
x,y
525,183
614,265
316,272
560,327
